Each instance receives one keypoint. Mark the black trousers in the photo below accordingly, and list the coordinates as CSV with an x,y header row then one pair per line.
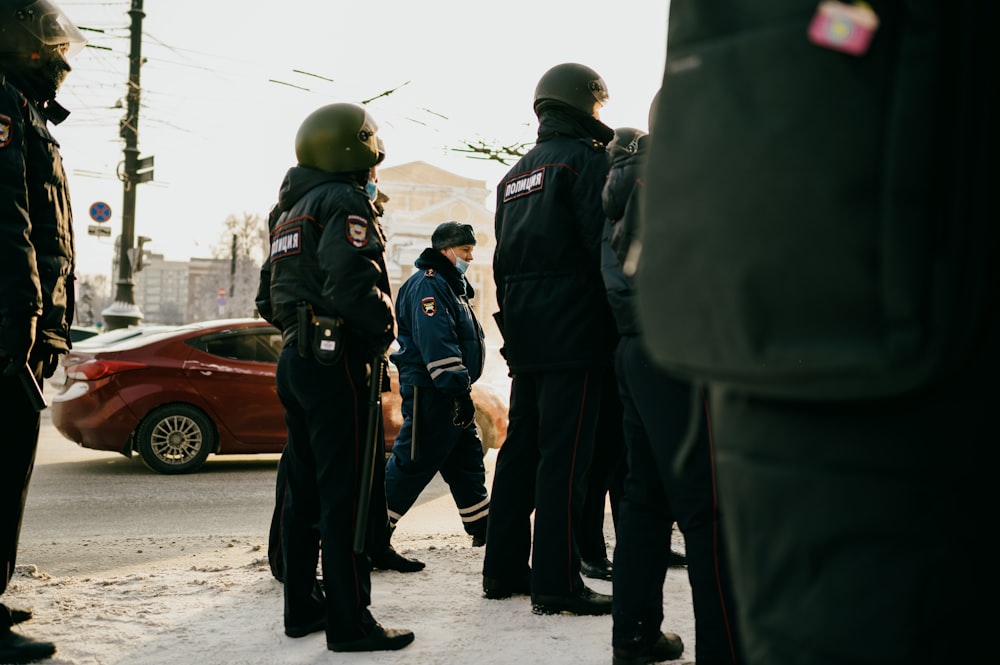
x,y
606,481
21,425
275,554
441,447
543,466
861,531
375,543
326,414
657,411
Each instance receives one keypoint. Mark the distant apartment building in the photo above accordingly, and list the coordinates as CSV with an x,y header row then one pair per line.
x,y
176,292
161,290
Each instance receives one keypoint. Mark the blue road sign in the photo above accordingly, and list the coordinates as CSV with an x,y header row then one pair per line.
x,y
100,212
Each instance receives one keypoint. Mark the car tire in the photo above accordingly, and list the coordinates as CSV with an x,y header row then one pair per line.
x,y
175,439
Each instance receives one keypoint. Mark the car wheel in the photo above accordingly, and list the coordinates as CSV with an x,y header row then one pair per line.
x,y
175,438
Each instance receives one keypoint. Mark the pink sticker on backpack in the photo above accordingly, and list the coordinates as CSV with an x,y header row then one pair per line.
x,y
843,27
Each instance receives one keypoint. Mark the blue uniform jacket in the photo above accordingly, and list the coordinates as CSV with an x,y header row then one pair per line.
x,y
440,339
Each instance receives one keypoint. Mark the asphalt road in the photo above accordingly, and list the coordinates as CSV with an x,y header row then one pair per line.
x,y
90,510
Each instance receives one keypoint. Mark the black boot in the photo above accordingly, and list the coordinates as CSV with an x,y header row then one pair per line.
x,y
16,648
667,646
314,617
390,559
585,602
17,616
479,534
499,589
597,569
380,639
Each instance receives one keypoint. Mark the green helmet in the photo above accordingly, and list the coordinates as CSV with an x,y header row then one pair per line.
x,y
576,85
625,143
338,138
27,24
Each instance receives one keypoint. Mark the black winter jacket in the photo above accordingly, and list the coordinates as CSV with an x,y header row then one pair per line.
x,y
37,253
327,249
554,314
620,197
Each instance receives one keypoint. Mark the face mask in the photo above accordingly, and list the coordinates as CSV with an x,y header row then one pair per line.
x,y
460,265
371,189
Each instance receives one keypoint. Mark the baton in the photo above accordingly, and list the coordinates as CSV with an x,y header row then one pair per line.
x,y
371,446
413,425
31,389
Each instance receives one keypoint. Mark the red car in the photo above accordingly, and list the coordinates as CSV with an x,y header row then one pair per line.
x,y
178,395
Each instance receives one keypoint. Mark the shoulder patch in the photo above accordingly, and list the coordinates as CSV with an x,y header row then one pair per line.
x,y
430,272
356,230
5,130
429,305
522,185
286,243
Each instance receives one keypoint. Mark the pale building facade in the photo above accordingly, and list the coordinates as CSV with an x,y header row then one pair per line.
x,y
421,196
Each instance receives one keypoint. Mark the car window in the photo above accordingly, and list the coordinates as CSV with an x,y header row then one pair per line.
x,y
258,345
271,343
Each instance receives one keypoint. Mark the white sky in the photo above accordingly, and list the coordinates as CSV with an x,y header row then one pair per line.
x,y
222,133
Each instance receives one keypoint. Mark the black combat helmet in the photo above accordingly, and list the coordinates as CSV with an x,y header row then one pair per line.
x,y
338,138
573,84
625,143
27,25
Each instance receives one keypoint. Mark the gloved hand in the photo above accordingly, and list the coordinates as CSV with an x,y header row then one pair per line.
x,y
17,336
378,345
465,412
50,362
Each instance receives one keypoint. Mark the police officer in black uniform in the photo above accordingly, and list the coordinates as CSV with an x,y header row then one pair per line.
x,y
856,341
37,259
379,546
658,409
327,263
559,338
441,354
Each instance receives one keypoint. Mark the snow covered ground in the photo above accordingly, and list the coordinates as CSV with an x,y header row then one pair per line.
x,y
222,607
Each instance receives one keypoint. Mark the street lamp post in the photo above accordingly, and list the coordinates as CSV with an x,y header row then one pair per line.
x,y
123,312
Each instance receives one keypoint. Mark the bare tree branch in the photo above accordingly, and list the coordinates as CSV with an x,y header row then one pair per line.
x,y
505,154
385,93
